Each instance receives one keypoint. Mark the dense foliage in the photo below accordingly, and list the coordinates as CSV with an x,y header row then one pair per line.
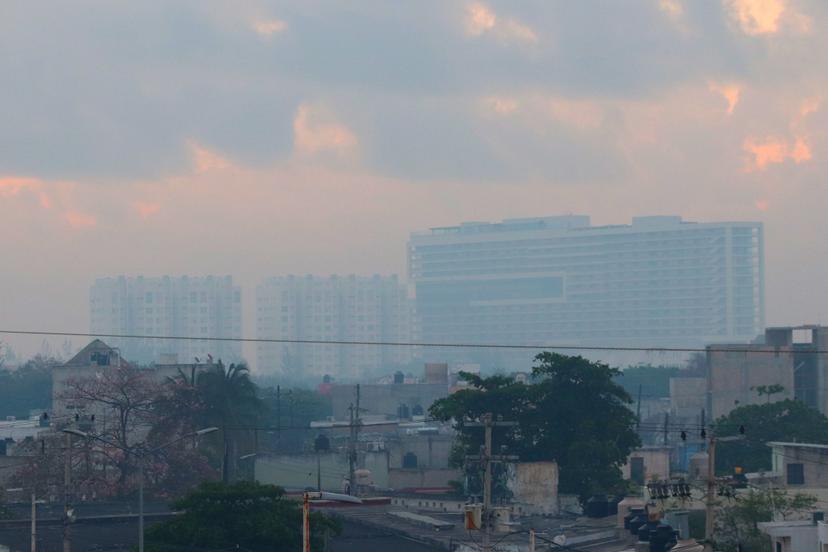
x,y
239,516
787,420
572,412
654,381
26,388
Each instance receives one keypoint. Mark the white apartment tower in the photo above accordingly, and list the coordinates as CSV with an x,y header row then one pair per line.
x,y
335,308
199,307
659,281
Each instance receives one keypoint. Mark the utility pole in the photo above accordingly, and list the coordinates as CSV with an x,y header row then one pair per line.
x,y
352,445
67,471
279,415
710,505
487,458
638,410
351,448
531,540
666,423
34,520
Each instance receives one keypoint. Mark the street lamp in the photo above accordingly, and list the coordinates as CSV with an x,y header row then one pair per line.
x,y
142,455
306,498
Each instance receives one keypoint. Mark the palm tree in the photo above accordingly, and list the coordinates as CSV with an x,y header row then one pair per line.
x,y
231,404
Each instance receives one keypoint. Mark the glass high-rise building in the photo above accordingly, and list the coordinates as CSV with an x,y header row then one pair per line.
x,y
199,307
659,281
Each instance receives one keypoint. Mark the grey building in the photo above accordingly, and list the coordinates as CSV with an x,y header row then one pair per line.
x,y
335,308
560,280
199,307
787,358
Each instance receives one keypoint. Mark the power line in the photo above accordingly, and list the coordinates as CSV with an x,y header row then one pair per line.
x,y
712,349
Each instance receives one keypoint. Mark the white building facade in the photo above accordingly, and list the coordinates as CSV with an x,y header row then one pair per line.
x,y
657,281
334,308
200,307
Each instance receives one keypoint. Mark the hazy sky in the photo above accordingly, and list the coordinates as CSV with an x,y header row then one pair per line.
x,y
254,138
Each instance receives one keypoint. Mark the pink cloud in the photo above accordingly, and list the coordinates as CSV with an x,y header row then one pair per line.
x,y
206,160
673,8
45,200
310,135
582,114
730,92
810,105
79,220
146,209
501,106
479,19
268,27
757,16
13,185
774,151
766,17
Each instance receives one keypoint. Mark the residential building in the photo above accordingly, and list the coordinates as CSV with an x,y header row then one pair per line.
x,y
560,280
785,364
335,308
794,535
204,308
800,465
647,463
90,363
402,399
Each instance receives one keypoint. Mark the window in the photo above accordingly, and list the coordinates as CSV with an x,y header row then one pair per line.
x,y
796,474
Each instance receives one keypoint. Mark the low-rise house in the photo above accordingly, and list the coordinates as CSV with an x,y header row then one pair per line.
x,y
647,463
800,465
792,536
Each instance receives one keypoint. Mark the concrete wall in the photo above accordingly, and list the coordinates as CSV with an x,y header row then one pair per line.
x,y
297,471
791,536
432,450
814,465
687,397
399,478
656,463
734,375
378,399
534,486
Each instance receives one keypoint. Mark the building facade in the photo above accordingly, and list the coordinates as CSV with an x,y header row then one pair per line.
x,y
657,281
198,307
786,363
335,308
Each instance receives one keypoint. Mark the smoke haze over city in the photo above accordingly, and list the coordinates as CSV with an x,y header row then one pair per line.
x,y
303,137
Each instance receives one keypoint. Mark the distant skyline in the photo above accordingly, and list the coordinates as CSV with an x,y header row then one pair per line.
x,y
208,137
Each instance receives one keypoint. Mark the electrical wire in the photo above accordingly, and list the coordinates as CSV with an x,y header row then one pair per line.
x,y
712,348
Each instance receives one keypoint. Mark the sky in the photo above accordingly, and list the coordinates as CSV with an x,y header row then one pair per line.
x,y
264,138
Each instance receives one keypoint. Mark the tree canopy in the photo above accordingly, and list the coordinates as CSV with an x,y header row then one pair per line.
x,y
654,380
243,516
571,412
27,387
788,420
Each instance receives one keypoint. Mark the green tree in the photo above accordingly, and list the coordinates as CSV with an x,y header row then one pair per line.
x,y
292,412
769,390
737,522
787,420
654,380
572,412
239,516
231,403
27,387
